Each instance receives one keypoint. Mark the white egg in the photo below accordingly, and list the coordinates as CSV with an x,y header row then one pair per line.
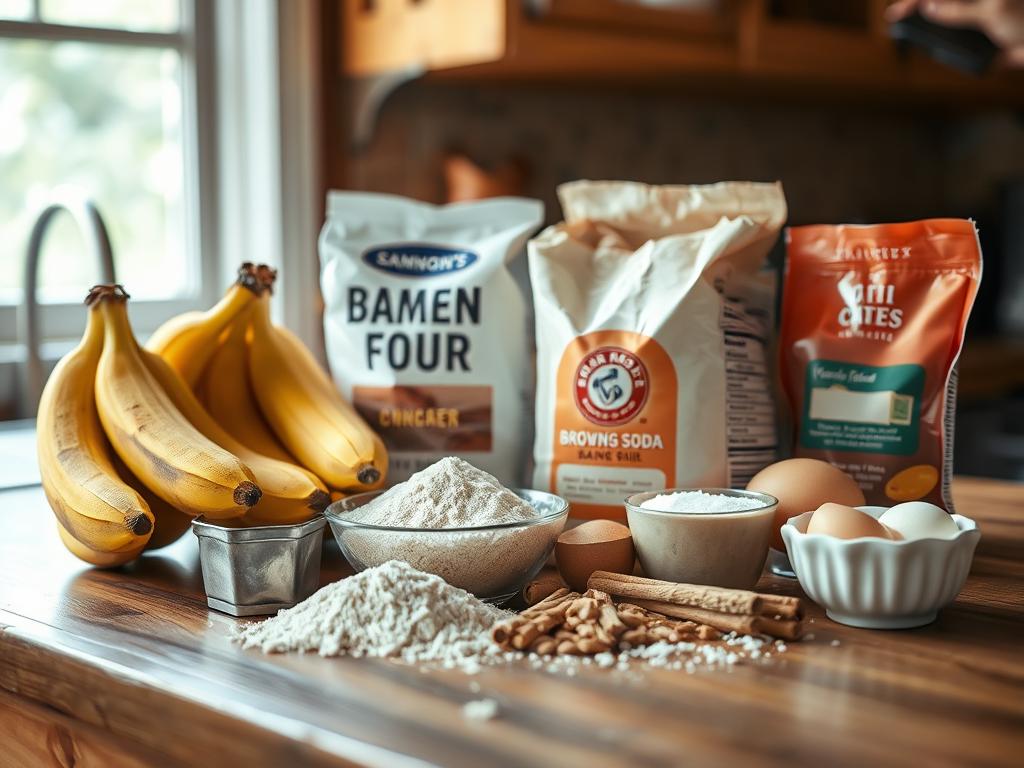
x,y
919,520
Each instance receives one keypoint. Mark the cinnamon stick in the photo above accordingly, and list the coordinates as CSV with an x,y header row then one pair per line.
x,y
543,586
744,624
719,599
554,598
519,632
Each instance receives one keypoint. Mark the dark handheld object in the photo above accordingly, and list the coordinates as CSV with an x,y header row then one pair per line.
x,y
968,50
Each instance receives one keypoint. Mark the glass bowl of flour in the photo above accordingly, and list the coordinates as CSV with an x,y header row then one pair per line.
x,y
456,521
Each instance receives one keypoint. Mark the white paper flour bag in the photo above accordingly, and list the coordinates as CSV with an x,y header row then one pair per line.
x,y
653,315
425,326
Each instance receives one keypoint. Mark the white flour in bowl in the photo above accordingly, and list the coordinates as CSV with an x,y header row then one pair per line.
x,y
449,495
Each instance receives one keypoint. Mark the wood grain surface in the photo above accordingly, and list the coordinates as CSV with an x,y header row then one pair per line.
x,y
129,667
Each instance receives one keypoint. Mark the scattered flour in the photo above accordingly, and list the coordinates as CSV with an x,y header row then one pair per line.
x,y
483,709
690,502
689,657
391,611
394,611
448,495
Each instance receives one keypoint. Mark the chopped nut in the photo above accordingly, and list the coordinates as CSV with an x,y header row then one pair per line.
x,y
568,648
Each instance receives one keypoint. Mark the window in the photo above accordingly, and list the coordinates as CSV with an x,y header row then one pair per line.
x,y
104,95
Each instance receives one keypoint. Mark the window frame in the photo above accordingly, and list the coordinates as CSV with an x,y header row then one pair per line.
x,y
194,42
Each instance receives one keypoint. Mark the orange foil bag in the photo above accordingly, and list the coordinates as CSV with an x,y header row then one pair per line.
x,y
873,320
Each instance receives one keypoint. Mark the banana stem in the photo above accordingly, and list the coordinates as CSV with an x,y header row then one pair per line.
x,y
249,277
114,291
267,276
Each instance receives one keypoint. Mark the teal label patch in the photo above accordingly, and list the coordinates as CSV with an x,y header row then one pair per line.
x,y
863,408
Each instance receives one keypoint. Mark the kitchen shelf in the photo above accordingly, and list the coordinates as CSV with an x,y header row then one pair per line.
x,y
738,44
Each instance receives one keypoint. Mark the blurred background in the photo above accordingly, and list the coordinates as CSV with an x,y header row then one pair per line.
x,y
208,131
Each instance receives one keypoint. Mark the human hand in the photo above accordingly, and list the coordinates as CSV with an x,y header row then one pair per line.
x,y
1001,20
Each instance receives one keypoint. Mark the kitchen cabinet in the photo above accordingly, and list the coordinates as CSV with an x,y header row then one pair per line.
x,y
788,48
129,667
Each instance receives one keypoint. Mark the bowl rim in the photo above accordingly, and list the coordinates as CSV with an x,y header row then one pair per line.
x,y
334,517
204,528
965,526
769,502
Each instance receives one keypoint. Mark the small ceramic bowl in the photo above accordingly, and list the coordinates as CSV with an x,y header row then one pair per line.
x,y
720,549
877,583
493,562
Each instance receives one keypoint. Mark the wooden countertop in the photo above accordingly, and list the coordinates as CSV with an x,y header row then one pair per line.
x,y
130,668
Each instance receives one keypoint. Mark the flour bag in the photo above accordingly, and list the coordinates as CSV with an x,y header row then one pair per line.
x,y
425,325
653,315
873,320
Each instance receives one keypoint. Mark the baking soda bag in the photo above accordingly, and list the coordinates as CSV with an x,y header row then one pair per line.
x,y
653,313
425,326
873,319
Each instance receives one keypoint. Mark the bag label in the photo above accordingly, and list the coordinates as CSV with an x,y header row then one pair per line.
x,y
615,421
862,407
416,260
442,419
611,386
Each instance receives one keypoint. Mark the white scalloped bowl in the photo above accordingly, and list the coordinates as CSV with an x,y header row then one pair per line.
x,y
879,584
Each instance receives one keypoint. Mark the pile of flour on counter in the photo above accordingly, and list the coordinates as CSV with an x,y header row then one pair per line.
x,y
449,495
391,611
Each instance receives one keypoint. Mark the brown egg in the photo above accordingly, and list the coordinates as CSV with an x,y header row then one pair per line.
x,y
845,522
597,545
802,485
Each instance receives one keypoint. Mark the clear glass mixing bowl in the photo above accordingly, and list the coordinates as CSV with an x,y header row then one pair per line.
x,y
493,562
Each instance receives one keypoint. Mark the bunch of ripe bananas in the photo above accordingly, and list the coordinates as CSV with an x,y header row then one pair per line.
x,y
222,414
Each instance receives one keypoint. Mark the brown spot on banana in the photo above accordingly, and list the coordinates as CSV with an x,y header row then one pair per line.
x,y
318,500
160,467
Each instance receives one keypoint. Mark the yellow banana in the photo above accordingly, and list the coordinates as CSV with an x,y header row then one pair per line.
x,y
307,413
153,438
169,523
290,493
97,557
226,392
102,520
188,341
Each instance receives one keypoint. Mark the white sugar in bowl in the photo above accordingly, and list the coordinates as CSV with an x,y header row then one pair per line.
x,y
714,546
